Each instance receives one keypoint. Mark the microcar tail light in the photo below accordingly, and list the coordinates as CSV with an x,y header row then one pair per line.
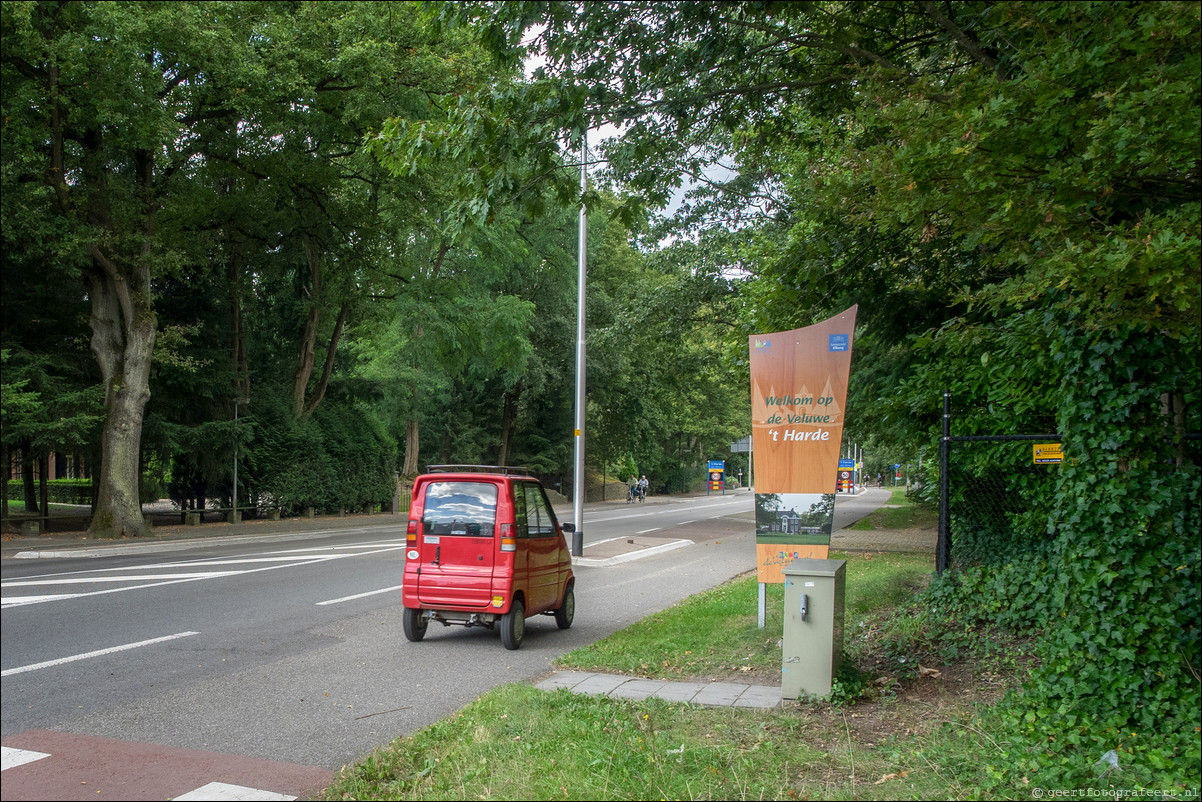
x,y
508,543
411,533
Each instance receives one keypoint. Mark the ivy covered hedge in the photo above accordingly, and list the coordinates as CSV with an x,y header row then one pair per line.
x,y
1114,607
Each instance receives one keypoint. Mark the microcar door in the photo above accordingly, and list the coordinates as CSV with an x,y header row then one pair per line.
x,y
542,549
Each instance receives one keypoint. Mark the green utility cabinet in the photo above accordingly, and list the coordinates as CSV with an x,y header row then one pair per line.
x,y
812,647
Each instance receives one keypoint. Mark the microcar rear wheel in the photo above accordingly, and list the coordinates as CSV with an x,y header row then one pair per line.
x,y
513,625
414,623
567,610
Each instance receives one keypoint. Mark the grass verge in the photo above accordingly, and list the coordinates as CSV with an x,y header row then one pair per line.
x,y
900,513
520,743
516,742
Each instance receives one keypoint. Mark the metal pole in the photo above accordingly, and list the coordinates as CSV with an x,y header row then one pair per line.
x,y
763,605
578,482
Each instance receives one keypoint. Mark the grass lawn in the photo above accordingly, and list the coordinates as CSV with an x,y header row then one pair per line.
x,y
890,715
899,513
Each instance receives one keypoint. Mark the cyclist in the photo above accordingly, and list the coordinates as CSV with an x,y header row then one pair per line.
x,y
643,483
632,488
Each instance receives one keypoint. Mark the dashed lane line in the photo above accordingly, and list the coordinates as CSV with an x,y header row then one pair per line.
x,y
98,653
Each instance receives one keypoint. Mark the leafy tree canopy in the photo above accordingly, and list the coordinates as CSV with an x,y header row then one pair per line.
x,y
1010,191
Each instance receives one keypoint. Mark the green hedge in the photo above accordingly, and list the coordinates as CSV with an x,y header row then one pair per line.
x,y
60,491
338,459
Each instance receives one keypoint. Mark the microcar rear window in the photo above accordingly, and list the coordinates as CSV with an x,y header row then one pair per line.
x,y
460,508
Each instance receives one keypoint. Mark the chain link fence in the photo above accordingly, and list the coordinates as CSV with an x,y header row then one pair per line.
x,y
995,497
997,502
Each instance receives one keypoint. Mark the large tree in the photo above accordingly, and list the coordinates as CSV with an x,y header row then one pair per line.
x,y
198,159
100,102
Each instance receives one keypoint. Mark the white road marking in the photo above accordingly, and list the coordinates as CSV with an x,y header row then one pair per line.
x,y
623,515
142,583
17,601
98,653
83,580
360,595
621,558
11,758
225,792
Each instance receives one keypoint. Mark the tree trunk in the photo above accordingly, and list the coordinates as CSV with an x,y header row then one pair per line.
x,y
304,368
27,480
122,317
411,468
43,489
319,392
123,335
6,461
509,416
238,344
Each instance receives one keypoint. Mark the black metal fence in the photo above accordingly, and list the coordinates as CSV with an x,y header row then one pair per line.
x,y
995,499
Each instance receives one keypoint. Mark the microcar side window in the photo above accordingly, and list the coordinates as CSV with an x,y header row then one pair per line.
x,y
538,512
519,512
460,508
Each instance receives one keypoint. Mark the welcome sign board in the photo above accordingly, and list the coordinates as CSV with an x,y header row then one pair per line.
x,y
798,391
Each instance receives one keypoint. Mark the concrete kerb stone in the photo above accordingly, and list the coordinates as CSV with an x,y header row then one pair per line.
x,y
104,549
563,679
639,688
680,691
26,545
760,697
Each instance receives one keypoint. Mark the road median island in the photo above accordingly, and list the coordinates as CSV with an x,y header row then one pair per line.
x,y
622,549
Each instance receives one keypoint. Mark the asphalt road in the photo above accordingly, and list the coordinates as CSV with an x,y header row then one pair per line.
x,y
289,648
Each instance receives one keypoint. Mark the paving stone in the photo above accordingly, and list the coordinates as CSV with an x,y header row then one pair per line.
x,y
759,696
564,679
639,688
599,684
714,694
680,691
719,693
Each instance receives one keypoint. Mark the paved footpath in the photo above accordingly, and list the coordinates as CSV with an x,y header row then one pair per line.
x,y
713,694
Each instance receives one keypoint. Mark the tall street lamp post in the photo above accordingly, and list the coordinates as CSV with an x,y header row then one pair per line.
x,y
578,483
